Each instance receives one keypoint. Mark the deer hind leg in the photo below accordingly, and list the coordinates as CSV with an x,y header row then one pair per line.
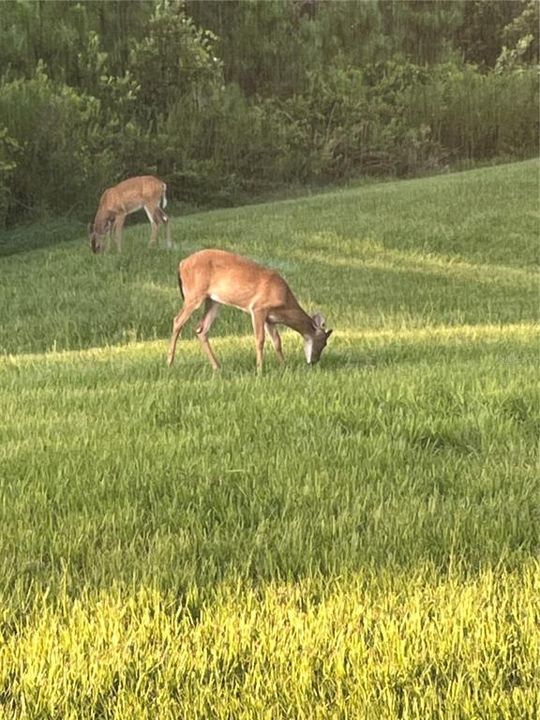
x,y
276,339
107,238
151,211
178,323
211,309
118,227
163,219
258,319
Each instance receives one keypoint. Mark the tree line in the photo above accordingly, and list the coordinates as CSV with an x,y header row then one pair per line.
x,y
225,100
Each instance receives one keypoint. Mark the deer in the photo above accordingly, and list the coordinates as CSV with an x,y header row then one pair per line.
x,y
217,277
116,203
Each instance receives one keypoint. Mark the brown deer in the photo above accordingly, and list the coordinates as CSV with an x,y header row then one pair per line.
x,y
219,278
127,197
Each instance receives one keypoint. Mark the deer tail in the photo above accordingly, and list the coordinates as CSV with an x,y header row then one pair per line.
x,y
164,196
180,284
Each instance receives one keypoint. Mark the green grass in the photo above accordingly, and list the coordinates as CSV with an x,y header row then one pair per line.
x,y
356,540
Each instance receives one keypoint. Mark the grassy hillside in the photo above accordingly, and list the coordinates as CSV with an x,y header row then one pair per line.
x,y
448,250
356,540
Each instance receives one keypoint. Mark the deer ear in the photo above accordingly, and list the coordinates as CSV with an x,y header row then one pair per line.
x,y
319,320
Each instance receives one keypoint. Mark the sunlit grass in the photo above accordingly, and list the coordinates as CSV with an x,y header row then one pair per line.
x,y
457,249
368,645
355,540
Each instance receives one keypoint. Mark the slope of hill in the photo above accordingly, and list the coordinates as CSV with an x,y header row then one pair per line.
x,y
446,250
359,539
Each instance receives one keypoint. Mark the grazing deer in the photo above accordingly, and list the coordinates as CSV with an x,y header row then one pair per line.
x,y
219,278
127,197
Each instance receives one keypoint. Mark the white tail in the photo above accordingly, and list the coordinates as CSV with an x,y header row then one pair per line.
x,y
118,202
219,278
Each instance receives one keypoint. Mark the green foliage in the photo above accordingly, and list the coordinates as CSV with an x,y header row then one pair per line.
x,y
174,64
227,100
480,35
388,118
54,129
57,33
475,116
8,151
521,34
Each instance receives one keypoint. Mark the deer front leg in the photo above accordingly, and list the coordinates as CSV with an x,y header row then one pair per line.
x,y
258,319
118,227
107,239
178,323
276,340
211,310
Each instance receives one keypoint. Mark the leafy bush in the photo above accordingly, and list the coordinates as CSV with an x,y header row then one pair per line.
x,y
475,116
55,131
8,151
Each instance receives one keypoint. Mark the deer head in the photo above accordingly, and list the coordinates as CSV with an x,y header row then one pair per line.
x,y
315,342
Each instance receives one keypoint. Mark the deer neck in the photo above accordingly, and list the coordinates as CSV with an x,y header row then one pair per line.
x,y
298,320
100,221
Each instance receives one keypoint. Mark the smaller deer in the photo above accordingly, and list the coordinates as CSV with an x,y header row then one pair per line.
x,y
219,278
127,197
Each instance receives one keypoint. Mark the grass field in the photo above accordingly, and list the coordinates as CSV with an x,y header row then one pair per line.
x,y
357,540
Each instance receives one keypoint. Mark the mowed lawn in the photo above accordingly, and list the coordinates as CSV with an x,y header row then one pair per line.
x,y
355,540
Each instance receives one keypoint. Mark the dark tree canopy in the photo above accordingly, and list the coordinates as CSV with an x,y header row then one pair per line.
x,y
228,98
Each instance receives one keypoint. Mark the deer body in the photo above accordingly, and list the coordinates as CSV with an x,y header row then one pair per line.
x,y
216,278
127,197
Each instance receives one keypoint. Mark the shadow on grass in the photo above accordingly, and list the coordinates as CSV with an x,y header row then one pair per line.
x,y
137,296
26,238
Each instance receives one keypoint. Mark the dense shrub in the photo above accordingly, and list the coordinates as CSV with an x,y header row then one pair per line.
x,y
8,164
56,134
475,116
393,118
